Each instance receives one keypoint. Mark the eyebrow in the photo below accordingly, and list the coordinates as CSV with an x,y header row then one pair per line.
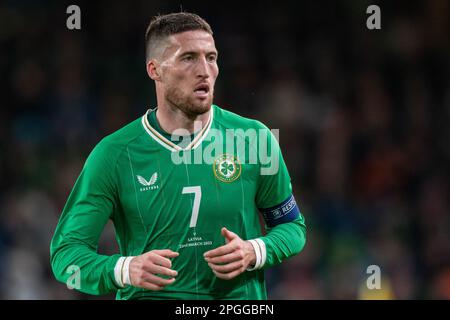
x,y
216,53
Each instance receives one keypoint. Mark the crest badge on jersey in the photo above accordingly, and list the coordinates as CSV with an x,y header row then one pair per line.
x,y
227,168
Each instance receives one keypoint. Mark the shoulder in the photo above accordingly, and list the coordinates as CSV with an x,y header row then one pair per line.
x,y
232,120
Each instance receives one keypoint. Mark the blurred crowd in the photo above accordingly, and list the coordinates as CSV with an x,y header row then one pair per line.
x,y
364,119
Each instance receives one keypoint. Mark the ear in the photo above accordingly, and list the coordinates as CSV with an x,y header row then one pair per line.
x,y
153,69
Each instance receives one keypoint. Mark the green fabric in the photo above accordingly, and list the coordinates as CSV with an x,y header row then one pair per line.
x,y
133,180
284,241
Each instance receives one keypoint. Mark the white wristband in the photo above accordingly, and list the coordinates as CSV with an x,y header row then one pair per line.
x,y
257,254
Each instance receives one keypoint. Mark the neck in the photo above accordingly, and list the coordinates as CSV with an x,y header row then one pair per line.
x,y
171,119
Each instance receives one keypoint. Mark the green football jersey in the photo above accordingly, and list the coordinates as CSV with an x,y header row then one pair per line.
x,y
165,195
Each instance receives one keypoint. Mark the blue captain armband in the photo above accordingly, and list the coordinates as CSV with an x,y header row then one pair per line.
x,y
286,211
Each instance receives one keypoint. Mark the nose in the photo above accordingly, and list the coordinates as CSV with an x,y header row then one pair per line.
x,y
202,68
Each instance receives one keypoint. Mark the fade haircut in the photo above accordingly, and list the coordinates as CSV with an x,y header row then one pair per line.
x,y
163,26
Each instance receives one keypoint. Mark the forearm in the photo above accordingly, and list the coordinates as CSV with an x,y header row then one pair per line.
x,y
283,241
96,272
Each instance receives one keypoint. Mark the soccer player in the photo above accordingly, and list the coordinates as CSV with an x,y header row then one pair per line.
x,y
187,227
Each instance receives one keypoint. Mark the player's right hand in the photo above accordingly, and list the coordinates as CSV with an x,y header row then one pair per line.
x,y
145,270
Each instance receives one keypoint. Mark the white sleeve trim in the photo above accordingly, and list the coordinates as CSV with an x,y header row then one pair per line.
x,y
126,271
255,246
118,271
262,246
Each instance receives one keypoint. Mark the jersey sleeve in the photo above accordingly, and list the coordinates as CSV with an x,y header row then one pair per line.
x,y
75,241
285,233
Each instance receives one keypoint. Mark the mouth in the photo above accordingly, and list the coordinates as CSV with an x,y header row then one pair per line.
x,y
202,90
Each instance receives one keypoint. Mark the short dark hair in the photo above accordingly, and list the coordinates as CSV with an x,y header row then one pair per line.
x,y
162,26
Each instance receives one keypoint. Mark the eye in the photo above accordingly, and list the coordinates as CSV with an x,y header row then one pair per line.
x,y
188,58
212,58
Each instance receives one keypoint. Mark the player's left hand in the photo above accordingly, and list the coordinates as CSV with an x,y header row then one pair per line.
x,y
233,258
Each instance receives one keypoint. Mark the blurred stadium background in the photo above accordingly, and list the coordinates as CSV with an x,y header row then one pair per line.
x,y
364,119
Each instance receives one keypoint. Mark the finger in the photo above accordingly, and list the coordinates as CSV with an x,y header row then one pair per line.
x,y
228,276
153,279
156,259
227,258
220,251
229,236
227,268
166,253
155,269
150,286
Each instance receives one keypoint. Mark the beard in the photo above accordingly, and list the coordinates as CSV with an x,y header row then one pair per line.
x,y
188,104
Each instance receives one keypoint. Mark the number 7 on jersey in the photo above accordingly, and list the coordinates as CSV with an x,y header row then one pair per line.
x,y
197,191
